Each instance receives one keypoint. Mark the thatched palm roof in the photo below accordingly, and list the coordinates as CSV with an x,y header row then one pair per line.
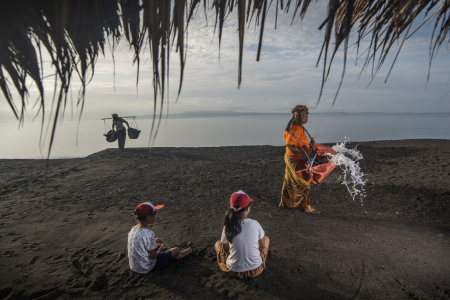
x,y
74,33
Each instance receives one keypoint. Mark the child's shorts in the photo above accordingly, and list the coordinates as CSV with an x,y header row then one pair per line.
x,y
163,260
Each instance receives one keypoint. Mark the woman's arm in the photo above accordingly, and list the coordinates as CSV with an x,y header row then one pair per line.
x,y
297,152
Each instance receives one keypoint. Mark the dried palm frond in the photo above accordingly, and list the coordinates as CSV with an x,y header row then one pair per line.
x,y
74,33
388,22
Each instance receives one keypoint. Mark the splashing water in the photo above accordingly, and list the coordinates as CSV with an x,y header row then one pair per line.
x,y
348,161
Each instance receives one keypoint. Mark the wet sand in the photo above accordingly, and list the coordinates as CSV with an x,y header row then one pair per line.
x,y
63,226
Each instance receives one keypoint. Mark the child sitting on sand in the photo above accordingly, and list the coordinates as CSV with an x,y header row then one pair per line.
x,y
242,250
145,252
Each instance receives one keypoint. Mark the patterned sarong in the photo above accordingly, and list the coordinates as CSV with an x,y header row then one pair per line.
x,y
296,191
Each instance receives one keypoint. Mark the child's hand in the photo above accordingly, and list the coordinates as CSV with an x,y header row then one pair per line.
x,y
160,247
159,250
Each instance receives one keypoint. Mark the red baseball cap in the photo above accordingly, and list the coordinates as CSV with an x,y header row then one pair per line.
x,y
145,209
241,199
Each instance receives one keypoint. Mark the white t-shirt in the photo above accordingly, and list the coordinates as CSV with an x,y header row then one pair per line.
x,y
244,251
140,242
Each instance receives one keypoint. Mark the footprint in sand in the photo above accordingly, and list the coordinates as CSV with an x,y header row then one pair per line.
x,y
9,253
33,260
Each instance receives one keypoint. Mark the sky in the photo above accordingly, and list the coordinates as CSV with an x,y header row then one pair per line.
x,y
285,76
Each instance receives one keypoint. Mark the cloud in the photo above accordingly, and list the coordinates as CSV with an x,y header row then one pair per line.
x,y
285,75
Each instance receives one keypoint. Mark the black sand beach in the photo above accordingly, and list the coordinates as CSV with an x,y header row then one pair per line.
x,y
63,229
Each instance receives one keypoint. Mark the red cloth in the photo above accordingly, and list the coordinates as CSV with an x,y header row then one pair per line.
x,y
318,172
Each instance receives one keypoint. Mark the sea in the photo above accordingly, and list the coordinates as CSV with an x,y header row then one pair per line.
x,y
75,139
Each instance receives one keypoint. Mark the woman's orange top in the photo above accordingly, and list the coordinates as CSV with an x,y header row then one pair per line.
x,y
300,133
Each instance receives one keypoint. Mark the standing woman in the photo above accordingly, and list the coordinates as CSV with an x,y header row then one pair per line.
x,y
296,191
120,129
242,250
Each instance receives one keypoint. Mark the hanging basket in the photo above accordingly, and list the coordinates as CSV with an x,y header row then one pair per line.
x,y
133,133
111,136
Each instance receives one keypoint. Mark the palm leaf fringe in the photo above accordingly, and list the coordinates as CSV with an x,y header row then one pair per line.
x,y
74,34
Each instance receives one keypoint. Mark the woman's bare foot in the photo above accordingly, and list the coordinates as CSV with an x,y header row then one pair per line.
x,y
311,210
184,253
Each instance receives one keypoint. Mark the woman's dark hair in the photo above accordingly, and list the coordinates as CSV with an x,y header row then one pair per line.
x,y
233,222
298,109
289,125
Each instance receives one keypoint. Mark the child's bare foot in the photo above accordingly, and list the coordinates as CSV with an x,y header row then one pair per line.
x,y
184,253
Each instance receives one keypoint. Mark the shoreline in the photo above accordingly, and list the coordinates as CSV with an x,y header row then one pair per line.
x,y
63,231
189,147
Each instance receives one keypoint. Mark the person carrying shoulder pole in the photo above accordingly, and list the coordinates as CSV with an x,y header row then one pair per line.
x,y
120,129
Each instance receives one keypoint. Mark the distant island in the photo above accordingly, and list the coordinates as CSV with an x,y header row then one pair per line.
x,y
230,113
212,113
